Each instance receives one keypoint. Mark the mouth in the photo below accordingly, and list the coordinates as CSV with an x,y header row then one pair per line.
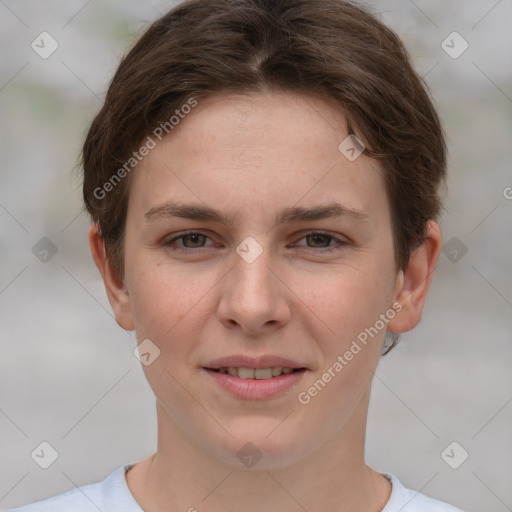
x,y
250,378
256,373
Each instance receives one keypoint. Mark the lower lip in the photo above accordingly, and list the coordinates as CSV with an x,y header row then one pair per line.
x,y
256,389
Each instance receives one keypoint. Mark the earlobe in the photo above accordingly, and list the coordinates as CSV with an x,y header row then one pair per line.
x,y
115,287
414,282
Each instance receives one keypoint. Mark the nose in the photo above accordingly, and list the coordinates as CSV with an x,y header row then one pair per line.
x,y
254,298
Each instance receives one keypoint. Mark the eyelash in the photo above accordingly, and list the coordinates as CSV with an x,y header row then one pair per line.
x,y
327,249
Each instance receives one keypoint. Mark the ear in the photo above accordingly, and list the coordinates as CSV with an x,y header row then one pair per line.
x,y
413,283
114,285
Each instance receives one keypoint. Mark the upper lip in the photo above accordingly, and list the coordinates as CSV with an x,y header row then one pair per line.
x,y
242,361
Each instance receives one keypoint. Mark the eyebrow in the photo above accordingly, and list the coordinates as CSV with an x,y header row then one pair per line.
x,y
171,209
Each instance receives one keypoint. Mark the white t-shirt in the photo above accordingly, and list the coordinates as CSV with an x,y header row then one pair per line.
x,y
113,495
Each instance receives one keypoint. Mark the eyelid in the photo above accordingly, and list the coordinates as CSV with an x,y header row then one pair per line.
x,y
340,241
177,236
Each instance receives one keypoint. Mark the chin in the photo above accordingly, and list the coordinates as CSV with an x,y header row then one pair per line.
x,y
260,449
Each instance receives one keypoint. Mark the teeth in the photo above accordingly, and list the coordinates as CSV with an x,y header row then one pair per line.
x,y
259,374
246,373
263,373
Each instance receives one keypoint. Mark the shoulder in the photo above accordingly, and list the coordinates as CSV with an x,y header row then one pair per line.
x,y
406,500
82,499
111,494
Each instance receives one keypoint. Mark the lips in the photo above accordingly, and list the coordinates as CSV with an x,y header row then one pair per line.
x,y
252,378
242,361
256,373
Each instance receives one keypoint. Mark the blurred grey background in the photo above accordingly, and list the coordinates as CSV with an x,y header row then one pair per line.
x,y
67,372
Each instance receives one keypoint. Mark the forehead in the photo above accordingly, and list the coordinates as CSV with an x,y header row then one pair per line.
x,y
254,152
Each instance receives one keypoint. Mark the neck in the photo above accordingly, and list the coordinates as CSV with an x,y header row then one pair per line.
x,y
182,475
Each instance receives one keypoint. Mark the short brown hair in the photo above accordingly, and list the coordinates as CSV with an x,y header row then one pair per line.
x,y
334,48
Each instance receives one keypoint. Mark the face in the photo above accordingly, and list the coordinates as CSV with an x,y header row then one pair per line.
x,y
264,281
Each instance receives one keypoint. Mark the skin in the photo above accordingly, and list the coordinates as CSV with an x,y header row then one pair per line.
x,y
251,156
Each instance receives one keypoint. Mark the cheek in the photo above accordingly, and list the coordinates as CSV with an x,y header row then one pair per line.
x,y
349,336
166,304
162,294
346,299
